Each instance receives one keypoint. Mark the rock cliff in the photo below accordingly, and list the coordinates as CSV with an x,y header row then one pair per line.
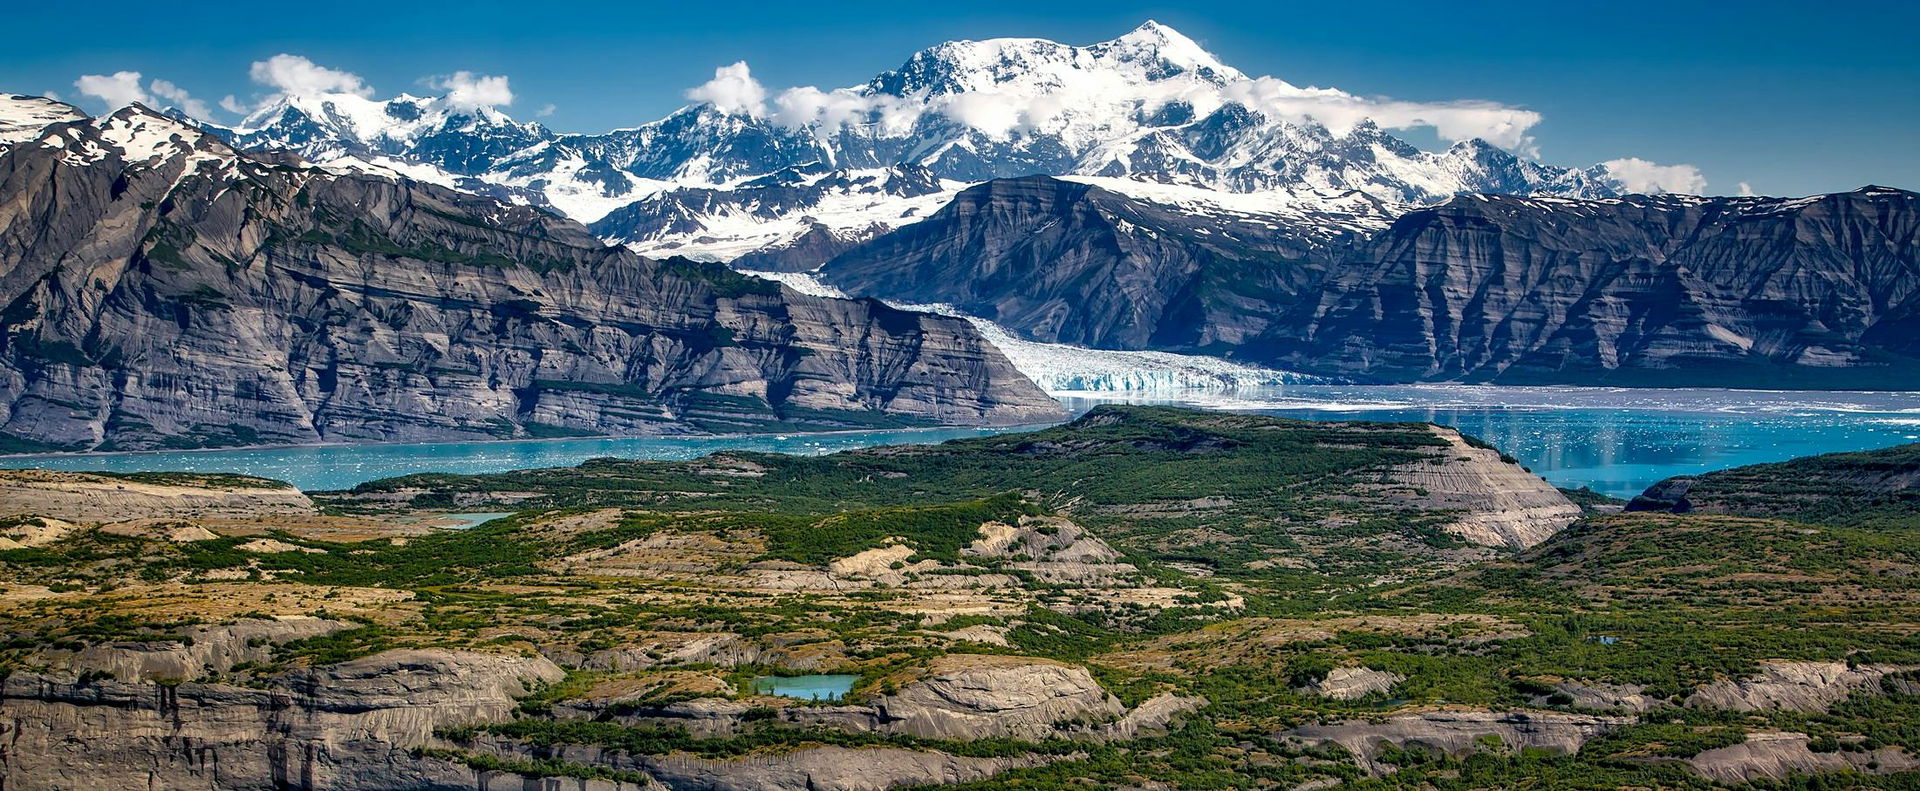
x,y
1667,290
99,497
154,717
1642,290
162,290
1070,262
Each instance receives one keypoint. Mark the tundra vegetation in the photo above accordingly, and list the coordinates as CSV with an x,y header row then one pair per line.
x,y
1308,618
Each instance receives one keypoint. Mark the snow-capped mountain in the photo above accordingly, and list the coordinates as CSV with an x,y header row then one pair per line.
x,y
23,117
1150,106
794,218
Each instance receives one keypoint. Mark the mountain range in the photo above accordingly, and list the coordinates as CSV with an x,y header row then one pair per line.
x,y
1149,106
1661,290
162,289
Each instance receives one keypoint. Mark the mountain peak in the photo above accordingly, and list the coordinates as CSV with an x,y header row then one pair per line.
x,y
22,117
1173,48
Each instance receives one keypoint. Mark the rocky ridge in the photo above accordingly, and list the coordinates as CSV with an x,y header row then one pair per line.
x,y
163,290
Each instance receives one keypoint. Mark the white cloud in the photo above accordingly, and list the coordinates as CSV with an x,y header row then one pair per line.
x,y
1639,175
293,74
232,105
54,95
1340,112
122,88
473,91
545,111
733,91
831,110
1746,190
118,89
180,99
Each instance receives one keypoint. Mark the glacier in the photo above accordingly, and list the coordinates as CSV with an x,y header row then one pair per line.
x,y
1063,369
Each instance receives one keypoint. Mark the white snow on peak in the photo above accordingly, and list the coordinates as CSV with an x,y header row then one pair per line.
x,y
1061,369
855,209
374,122
23,117
139,137
143,136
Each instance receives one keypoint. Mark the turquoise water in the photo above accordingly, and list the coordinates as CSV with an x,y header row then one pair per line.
x,y
324,467
826,687
1618,441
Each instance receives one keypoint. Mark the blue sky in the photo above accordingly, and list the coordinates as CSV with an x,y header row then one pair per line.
x,y
1789,97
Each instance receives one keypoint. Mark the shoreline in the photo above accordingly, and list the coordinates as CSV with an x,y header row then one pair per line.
x,y
74,454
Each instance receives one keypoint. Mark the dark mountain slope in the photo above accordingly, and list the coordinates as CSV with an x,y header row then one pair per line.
x,y
1645,290
160,290
1068,262
1669,290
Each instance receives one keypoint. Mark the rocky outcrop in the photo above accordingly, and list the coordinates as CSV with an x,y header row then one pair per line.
x,y
1499,502
161,290
1608,697
1459,732
347,727
90,497
1778,756
805,769
976,697
1354,683
1642,290
200,651
960,698
1806,687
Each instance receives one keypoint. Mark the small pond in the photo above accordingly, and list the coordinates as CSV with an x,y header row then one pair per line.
x,y
820,687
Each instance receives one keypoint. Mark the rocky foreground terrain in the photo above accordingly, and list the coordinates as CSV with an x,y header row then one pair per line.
x,y
161,290
1144,598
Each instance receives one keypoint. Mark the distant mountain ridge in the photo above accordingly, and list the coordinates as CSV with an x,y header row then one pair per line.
x,y
1150,106
1820,292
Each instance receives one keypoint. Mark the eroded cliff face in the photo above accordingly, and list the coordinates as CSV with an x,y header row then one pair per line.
x,y
161,290
1642,290
92,497
1661,290
156,716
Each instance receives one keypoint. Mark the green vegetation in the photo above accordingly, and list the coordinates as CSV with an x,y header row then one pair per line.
x,y
1284,547
1225,491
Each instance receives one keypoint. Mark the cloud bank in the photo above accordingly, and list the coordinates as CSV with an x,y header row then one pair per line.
x,y
1639,175
298,76
469,91
122,88
734,91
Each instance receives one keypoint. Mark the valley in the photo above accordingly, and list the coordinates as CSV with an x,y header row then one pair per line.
x,y
1144,595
